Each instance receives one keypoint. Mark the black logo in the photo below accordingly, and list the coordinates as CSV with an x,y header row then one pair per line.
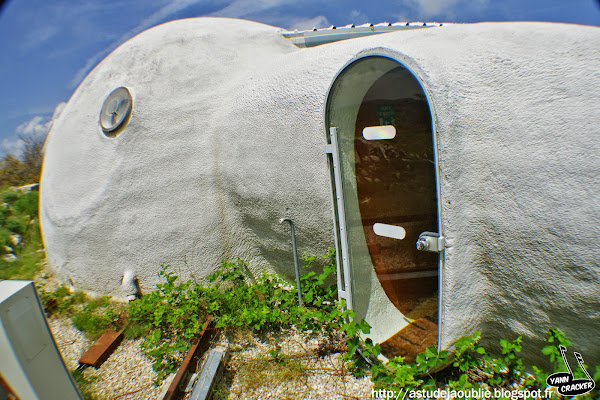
x,y
565,382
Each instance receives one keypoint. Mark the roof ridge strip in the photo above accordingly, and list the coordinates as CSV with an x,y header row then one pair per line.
x,y
316,37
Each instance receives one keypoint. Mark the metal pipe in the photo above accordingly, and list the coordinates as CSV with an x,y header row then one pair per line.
x,y
295,258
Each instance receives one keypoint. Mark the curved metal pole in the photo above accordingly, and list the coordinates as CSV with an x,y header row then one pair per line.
x,y
295,258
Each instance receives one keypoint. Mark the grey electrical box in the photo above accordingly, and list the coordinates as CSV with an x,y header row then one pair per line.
x,y
30,364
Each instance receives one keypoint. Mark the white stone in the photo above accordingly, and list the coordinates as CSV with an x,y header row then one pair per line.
x,y
9,257
15,239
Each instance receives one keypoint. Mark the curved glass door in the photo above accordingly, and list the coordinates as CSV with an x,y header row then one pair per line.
x,y
381,124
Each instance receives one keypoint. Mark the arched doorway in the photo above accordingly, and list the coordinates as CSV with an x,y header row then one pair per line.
x,y
384,173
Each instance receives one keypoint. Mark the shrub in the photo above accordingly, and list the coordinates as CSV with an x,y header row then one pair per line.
x,y
17,224
5,239
9,196
16,218
27,204
4,213
90,316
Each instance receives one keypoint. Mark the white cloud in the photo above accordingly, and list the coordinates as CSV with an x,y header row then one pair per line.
x,y
438,9
38,36
58,110
430,8
270,11
12,146
83,71
160,15
357,17
38,126
53,19
153,19
305,24
243,8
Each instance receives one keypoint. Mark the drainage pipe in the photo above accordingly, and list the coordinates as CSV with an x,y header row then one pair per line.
x,y
295,258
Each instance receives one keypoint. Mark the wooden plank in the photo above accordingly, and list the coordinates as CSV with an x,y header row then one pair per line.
x,y
190,362
102,348
411,340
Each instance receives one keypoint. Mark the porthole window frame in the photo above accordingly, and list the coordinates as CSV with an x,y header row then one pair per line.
x,y
121,95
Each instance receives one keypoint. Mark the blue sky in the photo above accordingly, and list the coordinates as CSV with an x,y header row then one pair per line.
x,y
48,46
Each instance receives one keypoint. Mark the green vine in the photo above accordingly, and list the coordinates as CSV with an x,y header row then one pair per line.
x,y
173,314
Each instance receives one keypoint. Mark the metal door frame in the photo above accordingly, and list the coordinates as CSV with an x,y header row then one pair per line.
x,y
344,278
344,267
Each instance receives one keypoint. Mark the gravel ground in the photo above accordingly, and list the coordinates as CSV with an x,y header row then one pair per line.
x,y
305,366
308,366
126,375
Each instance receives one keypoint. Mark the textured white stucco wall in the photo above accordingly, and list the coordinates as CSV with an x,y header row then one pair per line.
x,y
227,136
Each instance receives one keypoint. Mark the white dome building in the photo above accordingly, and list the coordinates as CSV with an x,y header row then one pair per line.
x,y
483,134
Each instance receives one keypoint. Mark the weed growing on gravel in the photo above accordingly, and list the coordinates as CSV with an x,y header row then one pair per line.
x,y
468,366
260,371
95,317
61,300
85,385
171,316
90,316
174,314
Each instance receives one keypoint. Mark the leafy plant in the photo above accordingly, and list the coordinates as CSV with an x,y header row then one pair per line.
x,y
173,314
556,338
275,352
471,366
18,216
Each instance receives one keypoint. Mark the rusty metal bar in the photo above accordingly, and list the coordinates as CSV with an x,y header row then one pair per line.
x,y
102,348
199,346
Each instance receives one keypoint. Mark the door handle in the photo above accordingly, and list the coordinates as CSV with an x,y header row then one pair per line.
x,y
431,241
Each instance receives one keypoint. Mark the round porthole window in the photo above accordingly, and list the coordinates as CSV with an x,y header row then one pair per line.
x,y
115,111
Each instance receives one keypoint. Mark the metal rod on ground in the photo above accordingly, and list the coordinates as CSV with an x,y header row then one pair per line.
x,y
295,258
